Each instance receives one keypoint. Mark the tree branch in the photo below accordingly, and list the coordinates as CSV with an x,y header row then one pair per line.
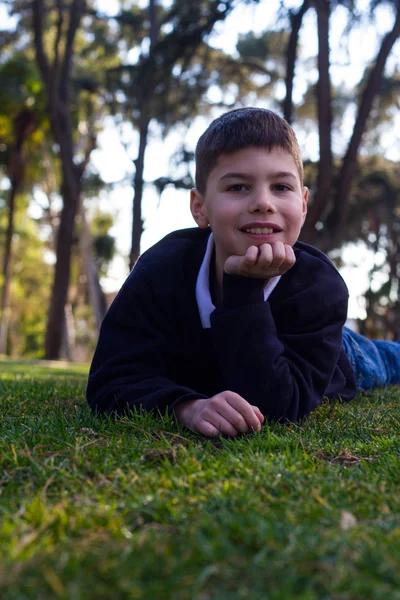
x,y
77,10
296,20
57,40
92,142
324,106
338,217
38,20
154,27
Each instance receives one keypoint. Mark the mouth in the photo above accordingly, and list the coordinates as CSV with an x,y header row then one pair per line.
x,y
256,229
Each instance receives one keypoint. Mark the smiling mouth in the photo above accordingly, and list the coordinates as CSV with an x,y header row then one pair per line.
x,y
260,230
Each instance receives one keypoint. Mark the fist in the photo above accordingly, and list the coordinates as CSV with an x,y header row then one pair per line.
x,y
263,262
226,413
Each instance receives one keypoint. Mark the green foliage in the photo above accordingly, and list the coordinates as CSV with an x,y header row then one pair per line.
x,y
264,47
142,508
30,286
20,84
170,79
118,70
306,110
104,247
103,243
21,90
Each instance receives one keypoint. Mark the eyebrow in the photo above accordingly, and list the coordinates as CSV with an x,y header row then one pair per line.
x,y
277,175
284,174
235,176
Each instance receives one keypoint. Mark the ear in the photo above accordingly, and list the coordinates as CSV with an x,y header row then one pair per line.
x,y
197,208
304,202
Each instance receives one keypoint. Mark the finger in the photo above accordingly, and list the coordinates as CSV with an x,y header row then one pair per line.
x,y
232,264
289,261
290,256
251,256
279,255
244,408
222,425
233,416
266,256
218,407
207,429
258,412
238,265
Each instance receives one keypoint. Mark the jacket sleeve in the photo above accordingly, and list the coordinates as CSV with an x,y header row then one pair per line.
x,y
130,364
283,368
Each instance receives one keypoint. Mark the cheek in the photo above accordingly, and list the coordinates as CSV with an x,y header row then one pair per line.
x,y
222,215
296,215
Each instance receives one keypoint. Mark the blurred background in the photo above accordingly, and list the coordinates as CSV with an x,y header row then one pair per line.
x,y
101,105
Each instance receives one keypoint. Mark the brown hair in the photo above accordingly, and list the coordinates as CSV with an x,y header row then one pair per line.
x,y
238,129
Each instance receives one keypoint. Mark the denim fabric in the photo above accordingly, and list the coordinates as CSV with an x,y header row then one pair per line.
x,y
376,363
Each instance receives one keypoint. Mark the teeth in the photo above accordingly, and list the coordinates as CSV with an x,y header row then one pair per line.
x,y
264,231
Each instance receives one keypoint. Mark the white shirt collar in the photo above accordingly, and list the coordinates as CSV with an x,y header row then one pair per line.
x,y
203,295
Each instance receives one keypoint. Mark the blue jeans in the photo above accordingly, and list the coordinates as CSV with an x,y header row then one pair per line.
x,y
376,363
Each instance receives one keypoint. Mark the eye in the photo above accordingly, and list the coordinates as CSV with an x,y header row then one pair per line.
x,y
281,187
238,187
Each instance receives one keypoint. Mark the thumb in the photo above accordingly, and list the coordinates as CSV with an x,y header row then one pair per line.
x,y
232,264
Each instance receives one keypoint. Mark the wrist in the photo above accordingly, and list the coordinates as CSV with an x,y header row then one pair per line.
x,y
239,290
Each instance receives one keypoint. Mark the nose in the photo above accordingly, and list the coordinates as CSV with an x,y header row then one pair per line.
x,y
262,202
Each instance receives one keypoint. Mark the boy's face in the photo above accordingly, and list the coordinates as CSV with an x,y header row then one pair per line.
x,y
253,197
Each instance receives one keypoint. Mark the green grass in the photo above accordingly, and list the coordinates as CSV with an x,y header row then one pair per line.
x,y
143,509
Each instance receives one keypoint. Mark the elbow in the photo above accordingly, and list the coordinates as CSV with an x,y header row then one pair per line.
x,y
100,400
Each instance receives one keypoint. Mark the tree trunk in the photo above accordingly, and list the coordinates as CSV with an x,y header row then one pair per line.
x,y
296,20
153,18
5,298
144,122
59,293
68,340
320,198
137,224
56,75
24,124
350,160
96,294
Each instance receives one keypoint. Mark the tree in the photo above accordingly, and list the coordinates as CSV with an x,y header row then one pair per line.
x,y
368,97
19,89
330,210
165,84
296,20
56,75
75,130
58,67
30,288
329,205
23,126
374,219
324,106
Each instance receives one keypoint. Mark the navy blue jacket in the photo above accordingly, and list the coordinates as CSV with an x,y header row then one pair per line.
x,y
283,355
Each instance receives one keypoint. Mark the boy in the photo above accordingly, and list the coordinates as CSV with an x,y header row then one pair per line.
x,y
234,321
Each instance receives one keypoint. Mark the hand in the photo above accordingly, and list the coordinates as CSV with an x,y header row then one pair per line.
x,y
226,413
263,262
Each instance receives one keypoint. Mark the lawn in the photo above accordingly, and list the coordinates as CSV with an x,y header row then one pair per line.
x,y
140,508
